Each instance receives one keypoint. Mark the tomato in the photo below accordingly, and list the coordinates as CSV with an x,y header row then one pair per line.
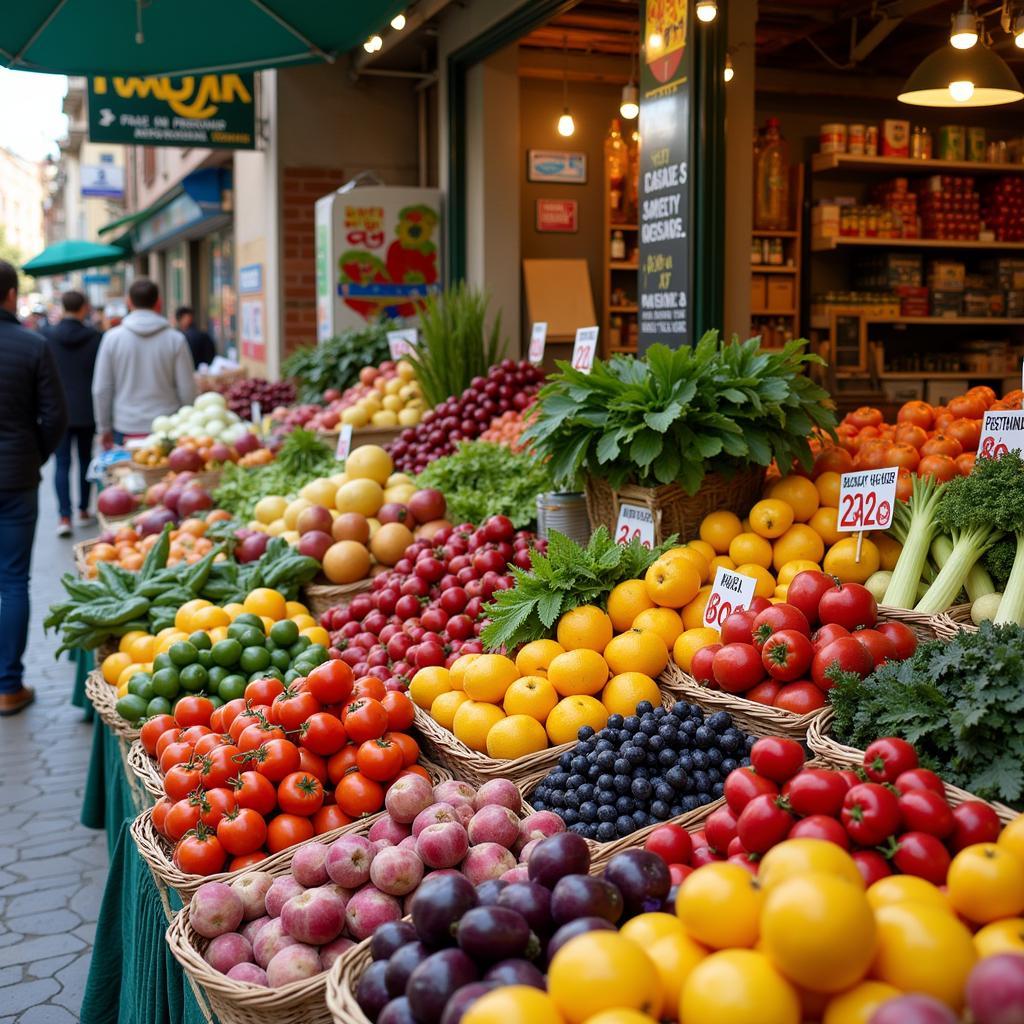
x,y
300,793
917,412
973,822
816,791
678,873
832,460
286,830
942,444
182,778
323,734
986,883
738,627
737,667
847,654
255,791
312,764
194,733
340,763
903,639
865,416
193,711
672,843
763,823
920,778
888,758
873,455
401,710
805,591
276,758
940,467
211,741
263,691
159,814
409,747
965,463
971,406
219,766
871,865
380,760
357,795
776,618
414,769
986,394
200,854
720,828
787,654
904,485
758,604
368,686
799,698
247,860
826,634
242,831
293,707
743,784
705,855
328,818
904,456
181,816
848,604
228,713
701,665
967,433
257,734
216,803
331,682
777,758
153,729
364,719
175,753
820,826
242,720
167,737
870,813
879,646
764,693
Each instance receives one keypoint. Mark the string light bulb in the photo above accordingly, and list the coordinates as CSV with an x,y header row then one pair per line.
x,y
373,44
728,72
566,125
398,22
961,91
629,108
963,33
707,10
1018,31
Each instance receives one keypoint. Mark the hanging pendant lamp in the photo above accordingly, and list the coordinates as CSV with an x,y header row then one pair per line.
x,y
949,77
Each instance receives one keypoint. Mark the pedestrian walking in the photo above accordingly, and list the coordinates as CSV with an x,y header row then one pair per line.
x,y
143,370
33,415
74,344
199,342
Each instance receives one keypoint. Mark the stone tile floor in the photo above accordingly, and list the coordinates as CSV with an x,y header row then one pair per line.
x,y
52,869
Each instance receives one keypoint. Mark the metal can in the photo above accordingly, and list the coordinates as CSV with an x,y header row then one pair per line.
x,y
855,139
952,142
871,140
976,144
832,138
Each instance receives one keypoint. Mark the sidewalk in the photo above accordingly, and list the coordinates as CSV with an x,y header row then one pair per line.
x,y
52,870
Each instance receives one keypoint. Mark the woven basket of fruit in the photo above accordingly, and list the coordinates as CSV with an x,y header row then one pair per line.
x,y
924,626
145,770
103,697
321,596
952,621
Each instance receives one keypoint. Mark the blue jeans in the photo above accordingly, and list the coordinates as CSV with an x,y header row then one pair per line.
x,y
81,439
18,512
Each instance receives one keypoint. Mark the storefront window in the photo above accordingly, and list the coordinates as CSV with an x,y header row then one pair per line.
x,y
176,277
221,310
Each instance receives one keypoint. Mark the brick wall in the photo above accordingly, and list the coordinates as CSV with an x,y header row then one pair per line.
x,y
301,187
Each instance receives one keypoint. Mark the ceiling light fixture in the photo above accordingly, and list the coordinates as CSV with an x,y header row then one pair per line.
x,y
398,22
707,10
963,32
1018,31
373,44
629,107
566,125
977,77
728,72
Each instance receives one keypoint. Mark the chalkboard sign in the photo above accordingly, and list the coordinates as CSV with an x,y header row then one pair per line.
x,y
666,258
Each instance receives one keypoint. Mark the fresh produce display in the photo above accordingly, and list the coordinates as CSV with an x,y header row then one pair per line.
x,y
127,546
507,429
197,454
210,417
642,768
180,497
334,365
466,414
241,395
481,479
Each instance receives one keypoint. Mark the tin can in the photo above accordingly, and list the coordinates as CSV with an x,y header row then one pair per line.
x,y
895,137
952,142
855,139
565,511
976,144
871,140
832,138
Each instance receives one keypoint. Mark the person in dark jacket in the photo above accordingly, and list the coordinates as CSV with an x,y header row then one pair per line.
x,y
33,415
74,345
199,342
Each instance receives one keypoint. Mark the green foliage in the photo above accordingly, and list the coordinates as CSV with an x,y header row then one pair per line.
x,y
565,578
681,413
482,479
336,362
960,702
455,345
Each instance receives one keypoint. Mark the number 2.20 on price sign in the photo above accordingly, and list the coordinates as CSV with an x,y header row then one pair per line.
x,y
866,500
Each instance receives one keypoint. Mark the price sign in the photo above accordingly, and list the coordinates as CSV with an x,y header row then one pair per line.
x,y
866,500
344,442
732,592
538,335
256,414
1002,431
401,343
585,349
635,522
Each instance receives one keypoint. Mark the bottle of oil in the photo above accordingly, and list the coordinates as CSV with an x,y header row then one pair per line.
x,y
616,158
771,179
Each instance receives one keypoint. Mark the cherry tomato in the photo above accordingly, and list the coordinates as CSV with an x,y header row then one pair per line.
x,y
328,818
409,747
323,734
800,698
902,637
153,729
763,823
215,804
764,693
871,865
820,826
777,758
263,691
364,719
286,830
672,843
380,760
200,854
824,635
357,795
786,654
737,667
255,791
816,791
159,814
276,758
701,664
242,831
925,811
293,707
973,822
720,828
300,793
401,710
920,778
879,646
847,654
848,604
923,855
887,758
870,814
805,590
775,619
743,784
331,682
341,763
738,627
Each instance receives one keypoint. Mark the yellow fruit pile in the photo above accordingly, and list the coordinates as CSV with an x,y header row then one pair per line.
x,y
508,709
392,401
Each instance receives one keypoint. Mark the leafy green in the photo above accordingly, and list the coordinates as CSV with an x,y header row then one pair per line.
x,y
564,578
960,702
482,479
336,362
681,413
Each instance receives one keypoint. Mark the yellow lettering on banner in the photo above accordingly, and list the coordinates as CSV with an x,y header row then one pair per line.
x,y
234,87
128,88
99,85
187,100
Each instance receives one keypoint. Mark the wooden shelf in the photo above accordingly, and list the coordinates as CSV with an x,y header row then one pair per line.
x,y
623,309
822,163
953,321
625,265
772,312
627,349
756,268
775,234
828,244
939,375
623,227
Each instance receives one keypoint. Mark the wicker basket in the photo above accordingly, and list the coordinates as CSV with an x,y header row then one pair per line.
x,y
342,979
748,714
145,769
923,626
156,850
673,509
218,381
836,753
318,597
103,698
362,435
954,620
81,551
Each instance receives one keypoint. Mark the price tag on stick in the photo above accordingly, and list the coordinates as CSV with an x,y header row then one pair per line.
x,y
401,343
635,522
866,500
585,349
256,415
1002,431
344,442
538,336
731,592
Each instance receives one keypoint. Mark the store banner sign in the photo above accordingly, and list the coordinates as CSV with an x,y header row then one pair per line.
x,y
215,111
555,165
557,215
102,181
666,248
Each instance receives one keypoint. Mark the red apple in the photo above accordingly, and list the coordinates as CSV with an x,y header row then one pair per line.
x,y
314,544
314,518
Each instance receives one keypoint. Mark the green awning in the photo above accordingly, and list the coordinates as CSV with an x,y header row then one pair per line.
x,y
73,255
131,219
167,37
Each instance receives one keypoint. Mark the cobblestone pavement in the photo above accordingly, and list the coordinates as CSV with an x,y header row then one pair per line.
x,y
52,869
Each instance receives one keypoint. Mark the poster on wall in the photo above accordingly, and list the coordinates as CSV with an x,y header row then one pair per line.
x,y
102,181
254,345
556,165
557,215
666,256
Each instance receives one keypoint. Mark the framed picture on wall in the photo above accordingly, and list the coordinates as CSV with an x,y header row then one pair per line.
x,y
557,215
554,165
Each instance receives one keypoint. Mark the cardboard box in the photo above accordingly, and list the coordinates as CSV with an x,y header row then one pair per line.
x,y
984,303
895,137
946,275
825,220
781,292
947,303
758,291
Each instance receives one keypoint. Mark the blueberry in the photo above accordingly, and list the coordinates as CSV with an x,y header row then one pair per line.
x,y
588,811
606,832
715,775
584,749
676,810
572,799
593,773
677,778
720,721
579,828
570,816
606,812
689,803
565,760
578,765
749,742
729,764
667,758
641,739
624,825
624,805
633,755
605,796
537,804
686,762
704,737
631,724
718,789
621,766
645,707
660,712
641,819
605,780
656,743
668,731
664,792
700,781
730,740
703,799
641,789
700,759
649,726
641,773
661,810
688,728
586,791
606,760
586,731
558,800
615,721
603,746
574,782
558,779
715,757
680,710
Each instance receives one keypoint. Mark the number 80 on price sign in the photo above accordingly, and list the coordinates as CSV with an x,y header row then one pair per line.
x,y
732,592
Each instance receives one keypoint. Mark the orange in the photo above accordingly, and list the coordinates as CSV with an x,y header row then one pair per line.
x,y
672,582
458,670
694,557
473,721
749,547
586,626
290,608
534,658
719,529
793,569
530,695
720,906
689,643
516,736
771,518
693,613
570,714
113,665
626,690
828,489
134,634
720,560
674,955
824,523
663,621
580,671
142,648
986,882
765,580
799,493
264,601
626,602
799,541
637,651
841,562
513,1004
888,550
489,676
445,705
316,635
428,684
704,548
210,618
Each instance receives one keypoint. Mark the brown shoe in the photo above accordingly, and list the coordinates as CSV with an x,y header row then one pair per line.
x,y
12,703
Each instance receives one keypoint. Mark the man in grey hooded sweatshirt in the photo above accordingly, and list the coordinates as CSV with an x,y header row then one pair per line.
x,y
143,370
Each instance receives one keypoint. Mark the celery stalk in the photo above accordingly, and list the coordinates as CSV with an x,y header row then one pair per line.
x,y
968,546
917,522
1011,607
979,582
